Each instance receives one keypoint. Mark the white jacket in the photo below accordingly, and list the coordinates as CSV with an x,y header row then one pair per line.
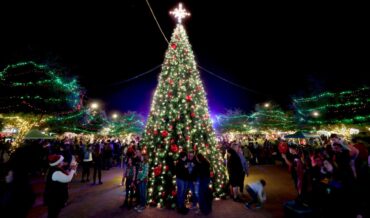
x,y
259,189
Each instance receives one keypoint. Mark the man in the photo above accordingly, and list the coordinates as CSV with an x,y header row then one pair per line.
x,y
193,180
236,171
296,167
182,176
257,193
56,188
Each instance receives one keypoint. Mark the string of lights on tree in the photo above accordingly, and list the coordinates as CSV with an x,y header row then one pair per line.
x,y
179,121
27,85
271,116
348,107
130,122
232,122
34,92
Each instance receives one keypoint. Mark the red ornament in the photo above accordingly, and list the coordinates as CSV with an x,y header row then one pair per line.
x,y
173,45
173,193
192,114
167,168
188,97
187,138
164,133
155,132
172,141
211,174
170,82
207,145
195,147
169,94
174,148
157,171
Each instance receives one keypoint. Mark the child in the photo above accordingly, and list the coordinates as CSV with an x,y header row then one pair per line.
x,y
141,181
130,175
257,193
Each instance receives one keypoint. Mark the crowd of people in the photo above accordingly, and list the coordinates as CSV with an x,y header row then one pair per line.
x,y
331,178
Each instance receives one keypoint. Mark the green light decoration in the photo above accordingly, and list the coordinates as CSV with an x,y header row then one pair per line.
x,y
347,107
272,117
232,121
29,87
179,120
35,90
83,121
130,122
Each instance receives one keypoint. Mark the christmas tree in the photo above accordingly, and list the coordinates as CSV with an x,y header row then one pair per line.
x,y
179,121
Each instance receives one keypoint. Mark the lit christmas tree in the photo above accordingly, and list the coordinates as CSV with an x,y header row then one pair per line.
x,y
179,121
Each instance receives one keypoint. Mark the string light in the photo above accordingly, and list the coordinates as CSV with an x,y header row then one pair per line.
x,y
347,107
44,92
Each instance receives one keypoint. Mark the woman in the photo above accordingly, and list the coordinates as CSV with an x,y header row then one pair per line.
x,y
205,196
130,175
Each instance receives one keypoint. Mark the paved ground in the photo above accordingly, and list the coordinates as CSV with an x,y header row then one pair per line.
x,y
104,200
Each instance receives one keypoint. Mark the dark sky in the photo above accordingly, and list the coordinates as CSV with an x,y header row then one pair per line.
x,y
277,50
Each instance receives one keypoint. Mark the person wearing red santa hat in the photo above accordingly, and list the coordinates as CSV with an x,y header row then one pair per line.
x,y
56,188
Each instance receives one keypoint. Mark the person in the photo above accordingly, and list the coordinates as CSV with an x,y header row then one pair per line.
x,y
296,168
56,188
86,163
18,197
182,175
193,180
141,181
205,196
97,163
257,193
235,170
130,175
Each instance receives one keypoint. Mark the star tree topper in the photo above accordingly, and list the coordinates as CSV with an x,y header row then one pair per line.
x,y
179,13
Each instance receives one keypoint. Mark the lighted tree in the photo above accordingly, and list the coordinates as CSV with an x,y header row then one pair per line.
x,y
269,116
346,107
130,122
31,93
232,121
179,120
80,121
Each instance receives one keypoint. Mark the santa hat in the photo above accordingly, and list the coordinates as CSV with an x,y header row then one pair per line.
x,y
55,159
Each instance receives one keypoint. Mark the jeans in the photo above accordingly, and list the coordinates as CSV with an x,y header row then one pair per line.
x,y
129,192
253,195
205,196
142,193
182,186
86,170
194,188
97,170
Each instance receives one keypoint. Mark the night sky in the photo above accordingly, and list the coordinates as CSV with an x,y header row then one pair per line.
x,y
278,51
